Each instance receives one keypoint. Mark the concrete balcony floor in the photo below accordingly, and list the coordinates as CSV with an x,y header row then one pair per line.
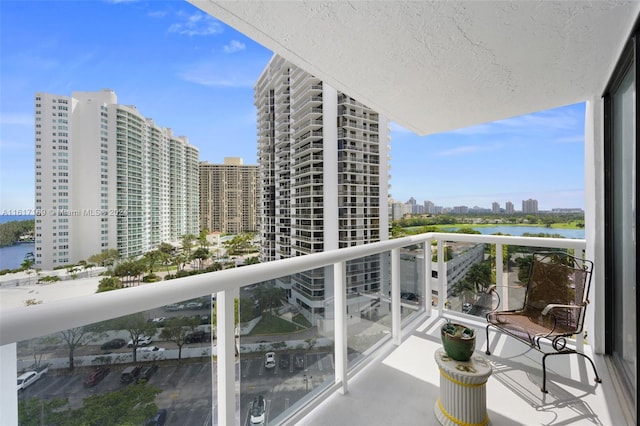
x,y
400,386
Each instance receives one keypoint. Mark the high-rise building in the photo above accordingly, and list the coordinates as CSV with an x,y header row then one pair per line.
x,y
530,206
429,207
495,207
106,177
323,160
509,208
229,196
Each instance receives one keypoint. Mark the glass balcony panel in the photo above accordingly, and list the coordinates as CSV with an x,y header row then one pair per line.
x,y
95,374
286,342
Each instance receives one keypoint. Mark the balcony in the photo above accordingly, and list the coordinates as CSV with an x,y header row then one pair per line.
x,y
376,350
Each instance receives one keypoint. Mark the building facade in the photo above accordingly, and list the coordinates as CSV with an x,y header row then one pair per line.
x,y
530,206
106,177
229,197
323,170
509,208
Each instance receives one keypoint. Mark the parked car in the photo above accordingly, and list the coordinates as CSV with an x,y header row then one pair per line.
x,y
409,296
28,378
298,361
195,337
285,361
142,341
258,411
158,321
173,307
158,420
146,373
194,305
112,344
96,376
269,360
130,374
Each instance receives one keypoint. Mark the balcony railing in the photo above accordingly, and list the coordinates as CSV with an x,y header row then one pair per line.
x,y
382,305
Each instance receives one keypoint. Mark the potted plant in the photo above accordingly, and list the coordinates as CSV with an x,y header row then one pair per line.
x,y
459,341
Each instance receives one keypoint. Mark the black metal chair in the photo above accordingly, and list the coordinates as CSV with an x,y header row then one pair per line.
x,y
554,307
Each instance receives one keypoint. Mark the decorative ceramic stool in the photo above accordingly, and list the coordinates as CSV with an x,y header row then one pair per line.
x,y
463,392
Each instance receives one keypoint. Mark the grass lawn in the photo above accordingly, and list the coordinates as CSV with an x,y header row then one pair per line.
x,y
301,319
270,324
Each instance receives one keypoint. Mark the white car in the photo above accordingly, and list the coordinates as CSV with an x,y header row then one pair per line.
x,y
258,411
142,341
269,360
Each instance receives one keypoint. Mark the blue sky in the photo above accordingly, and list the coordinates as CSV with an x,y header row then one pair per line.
x,y
194,74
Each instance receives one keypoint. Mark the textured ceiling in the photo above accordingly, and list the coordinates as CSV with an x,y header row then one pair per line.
x,y
433,66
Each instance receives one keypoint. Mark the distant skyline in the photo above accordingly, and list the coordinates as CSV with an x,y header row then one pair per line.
x,y
194,74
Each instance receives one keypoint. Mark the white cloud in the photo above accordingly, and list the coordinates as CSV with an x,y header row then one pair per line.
x,y
234,46
196,24
468,149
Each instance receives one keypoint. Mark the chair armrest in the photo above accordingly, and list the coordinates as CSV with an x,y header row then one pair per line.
x,y
547,308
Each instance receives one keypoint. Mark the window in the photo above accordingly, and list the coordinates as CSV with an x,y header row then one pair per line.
x,y
621,104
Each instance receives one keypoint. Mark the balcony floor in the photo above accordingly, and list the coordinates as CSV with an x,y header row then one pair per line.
x,y
401,385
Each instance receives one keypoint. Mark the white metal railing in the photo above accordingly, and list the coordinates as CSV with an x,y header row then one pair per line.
x,y
39,320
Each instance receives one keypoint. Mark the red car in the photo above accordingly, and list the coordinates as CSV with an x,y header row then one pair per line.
x,y
96,376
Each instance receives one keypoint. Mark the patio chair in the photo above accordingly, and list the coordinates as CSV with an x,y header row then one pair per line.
x,y
554,307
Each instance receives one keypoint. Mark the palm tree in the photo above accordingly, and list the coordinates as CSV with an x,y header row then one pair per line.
x,y
27,264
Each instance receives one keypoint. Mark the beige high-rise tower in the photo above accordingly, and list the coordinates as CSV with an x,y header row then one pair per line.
x,y
229,196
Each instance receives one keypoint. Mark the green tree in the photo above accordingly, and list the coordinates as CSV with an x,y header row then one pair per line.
x,y
131,405
200,255
177,329
106,258
239,244
74,337
479,276
187,243
465,289
202,239
130,271
27,264
137,326
269,296
36,412
11,232
108,284
151,258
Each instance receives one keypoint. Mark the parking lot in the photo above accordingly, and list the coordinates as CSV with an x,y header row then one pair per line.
x,y
187,391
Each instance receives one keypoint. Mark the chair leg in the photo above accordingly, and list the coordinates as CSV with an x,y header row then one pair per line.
x,y
597,379
544,374
488,352
544,368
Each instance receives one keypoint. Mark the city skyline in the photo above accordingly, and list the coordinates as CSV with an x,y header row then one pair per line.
x,y
192,73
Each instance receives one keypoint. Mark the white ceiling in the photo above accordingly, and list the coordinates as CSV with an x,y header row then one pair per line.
x,y
433,66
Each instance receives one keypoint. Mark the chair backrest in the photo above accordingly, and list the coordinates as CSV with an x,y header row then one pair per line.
x,y
562,279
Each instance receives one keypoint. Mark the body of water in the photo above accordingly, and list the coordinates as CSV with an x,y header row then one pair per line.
x,y
11,257
520,230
